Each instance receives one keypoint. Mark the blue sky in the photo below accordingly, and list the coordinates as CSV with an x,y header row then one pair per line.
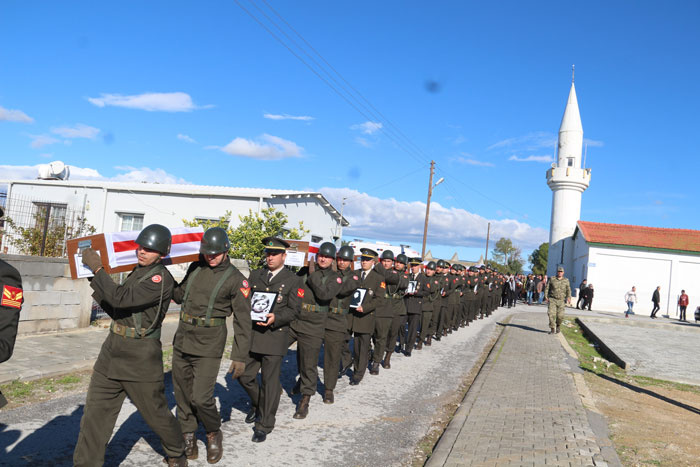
x,y
199,92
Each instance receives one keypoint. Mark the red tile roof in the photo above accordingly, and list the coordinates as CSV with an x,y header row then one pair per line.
x,y
639,236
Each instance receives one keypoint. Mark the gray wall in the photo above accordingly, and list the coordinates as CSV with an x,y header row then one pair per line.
x,y
52,300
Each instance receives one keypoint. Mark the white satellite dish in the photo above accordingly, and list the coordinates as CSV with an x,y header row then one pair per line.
x,y
55,170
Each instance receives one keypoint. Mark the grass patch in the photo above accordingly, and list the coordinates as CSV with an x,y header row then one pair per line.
x,y
19,392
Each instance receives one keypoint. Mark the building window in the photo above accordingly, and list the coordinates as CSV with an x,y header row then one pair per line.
x,y
128,222
570,162
55,212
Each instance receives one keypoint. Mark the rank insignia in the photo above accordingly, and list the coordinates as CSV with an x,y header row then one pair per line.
x,y
245,291
11,297
245,284
355,278
300,293
382,285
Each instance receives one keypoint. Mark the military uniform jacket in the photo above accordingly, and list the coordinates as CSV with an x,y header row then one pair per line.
x,y
414,303
273,339
445,288
454,285
374,298
233,297
11,299
396,293
391,278
470,283
340,305
433,285
319,289
557,289
125,358
482,285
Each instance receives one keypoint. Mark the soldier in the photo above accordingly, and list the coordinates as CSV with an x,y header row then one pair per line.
x,y
361,321
463,306
336,336
396,293
384,314
269,340
414,305
441,303
433,286
453,298
482,291
10,306
131,359
318,289
556,292
211,290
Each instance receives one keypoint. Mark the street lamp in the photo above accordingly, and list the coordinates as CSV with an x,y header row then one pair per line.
x,y
427,205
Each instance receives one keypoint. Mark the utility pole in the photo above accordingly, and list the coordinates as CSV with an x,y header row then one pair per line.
x,y
427,207
488,232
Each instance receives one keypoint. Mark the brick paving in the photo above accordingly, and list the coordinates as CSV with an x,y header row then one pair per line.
x,y
523,408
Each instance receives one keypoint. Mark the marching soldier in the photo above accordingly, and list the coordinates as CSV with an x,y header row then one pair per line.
x,y
318,289
336,335
10,305
440,305
269,339
482,291
131,359
398,322
384,314
432,285
211,290
472,284
453,298
556,292
414,305
361,321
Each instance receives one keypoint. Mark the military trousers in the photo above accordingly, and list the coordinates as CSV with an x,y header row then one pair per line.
x,y
361,343
414,321
453,311
426,318
333,345
104,402
400,323
308,350
481,300
194,380
382,329
471,309
435,321
555,311
265,396
395,332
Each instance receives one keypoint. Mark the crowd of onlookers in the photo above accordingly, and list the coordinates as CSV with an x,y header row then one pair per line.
x,y
683,301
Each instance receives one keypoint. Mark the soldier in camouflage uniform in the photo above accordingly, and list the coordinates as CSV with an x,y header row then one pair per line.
x,y
557,291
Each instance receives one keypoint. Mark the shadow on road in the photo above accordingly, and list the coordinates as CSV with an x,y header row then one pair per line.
x,y
520,326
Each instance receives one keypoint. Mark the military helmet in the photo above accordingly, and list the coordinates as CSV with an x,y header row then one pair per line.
x,y
473,269
327,249
442,263
401,258
214,241
155,237
346,253
430,265
387,254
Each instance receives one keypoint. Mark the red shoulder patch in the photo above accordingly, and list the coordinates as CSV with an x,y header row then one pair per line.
x,y
157,278
245,284
11,297
339,280
382,285
356,278
427,284
245,291
300,293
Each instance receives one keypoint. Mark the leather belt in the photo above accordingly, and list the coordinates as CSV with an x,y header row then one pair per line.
x,y
125,331
201,321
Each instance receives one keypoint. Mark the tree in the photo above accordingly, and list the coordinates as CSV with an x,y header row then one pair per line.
x,y
538,259
507,256
246,238
33,240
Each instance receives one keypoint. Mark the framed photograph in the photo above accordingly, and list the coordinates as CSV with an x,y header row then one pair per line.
x,y
411,289
262,303
358,297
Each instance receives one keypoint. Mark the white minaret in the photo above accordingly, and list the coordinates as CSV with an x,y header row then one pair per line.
x,y
567,181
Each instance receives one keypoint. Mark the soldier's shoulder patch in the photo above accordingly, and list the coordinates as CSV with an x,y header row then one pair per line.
x,y
157,278
382,285
245,291
339,280
355,278
427,284
300,293
11,297
245,284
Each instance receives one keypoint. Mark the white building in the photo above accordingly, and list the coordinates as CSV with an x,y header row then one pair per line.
x,y
113,206
614,257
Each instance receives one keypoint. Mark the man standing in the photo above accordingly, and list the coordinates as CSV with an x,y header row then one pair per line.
x,y
557,291
683,301
588,297
269,339
10,305
432,285
336,336
131,359
414,305
396,293
211,290
440,314
630,299
470,285
361,322
656,299
482,291
582,286
384,314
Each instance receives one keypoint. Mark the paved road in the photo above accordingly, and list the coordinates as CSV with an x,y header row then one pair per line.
x,y
378,423
524,408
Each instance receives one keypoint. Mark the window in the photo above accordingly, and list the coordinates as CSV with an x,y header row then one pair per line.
x,y
570,162
129,222
55,212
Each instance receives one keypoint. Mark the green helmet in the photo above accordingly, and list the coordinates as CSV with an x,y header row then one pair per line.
x,y
155,237
387,254
327,249
401,258
214,241
442,263
431,265
346,253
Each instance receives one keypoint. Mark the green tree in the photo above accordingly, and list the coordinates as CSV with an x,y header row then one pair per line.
x,y
29,240
246,238
507,256
538,259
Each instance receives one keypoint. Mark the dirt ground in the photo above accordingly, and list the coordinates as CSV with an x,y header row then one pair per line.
x,y
650,424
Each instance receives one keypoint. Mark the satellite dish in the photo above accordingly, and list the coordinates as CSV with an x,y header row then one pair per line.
x,y
55,170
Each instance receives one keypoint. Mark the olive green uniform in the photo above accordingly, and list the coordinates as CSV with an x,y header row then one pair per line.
x,y
557,292
208,295
433,286
362,324
414,309
130,363
453,300
384,314
308,329
268,344
396,293
11,299
470,297
446,282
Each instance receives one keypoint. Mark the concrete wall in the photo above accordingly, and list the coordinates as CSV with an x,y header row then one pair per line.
x,y
52,300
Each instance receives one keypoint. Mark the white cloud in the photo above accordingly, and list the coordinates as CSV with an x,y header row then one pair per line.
x,y
146,174
10,115
363,142
185,138
529,142
402,221
39,141
459,140
127,174
368,128
304,118
471,161
150,101
270,148
78,131
545,159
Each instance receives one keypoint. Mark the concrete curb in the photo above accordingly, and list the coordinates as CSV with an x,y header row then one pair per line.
x,y
606,351
447,441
